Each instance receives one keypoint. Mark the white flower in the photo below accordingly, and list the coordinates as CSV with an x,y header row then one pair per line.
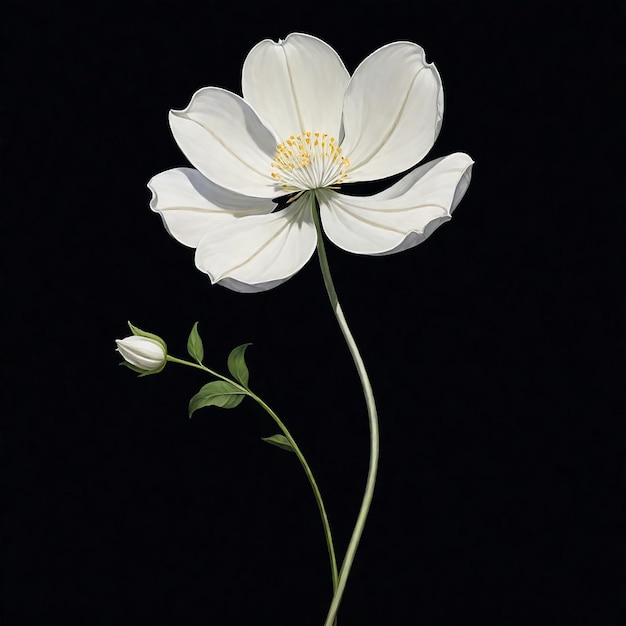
x,y
303,129
142,352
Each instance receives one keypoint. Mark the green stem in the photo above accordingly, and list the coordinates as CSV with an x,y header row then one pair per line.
x,y
372,416
316,491
204,368
298,453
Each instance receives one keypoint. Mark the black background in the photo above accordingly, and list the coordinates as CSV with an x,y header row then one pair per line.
x,y
494,349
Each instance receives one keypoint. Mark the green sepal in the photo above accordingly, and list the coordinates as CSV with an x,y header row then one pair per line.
x,y
139,371
132,367
143,333
237,364
217,393
194,345
280,441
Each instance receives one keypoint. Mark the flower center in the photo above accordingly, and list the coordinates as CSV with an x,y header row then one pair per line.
x,y
309,161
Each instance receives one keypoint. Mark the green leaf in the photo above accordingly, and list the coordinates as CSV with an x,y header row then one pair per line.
x,y
194,344
143,333
237,364
217,393
280,441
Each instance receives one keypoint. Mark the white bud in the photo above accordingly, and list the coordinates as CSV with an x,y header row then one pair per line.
x,y
142,352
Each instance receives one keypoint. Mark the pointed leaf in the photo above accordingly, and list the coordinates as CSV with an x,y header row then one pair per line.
x,y
194,344
237,364
280,441
217,393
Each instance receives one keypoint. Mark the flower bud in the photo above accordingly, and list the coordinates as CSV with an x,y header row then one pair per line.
x,y
142,352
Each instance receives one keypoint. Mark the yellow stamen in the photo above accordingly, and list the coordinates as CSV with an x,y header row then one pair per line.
x,y
310,160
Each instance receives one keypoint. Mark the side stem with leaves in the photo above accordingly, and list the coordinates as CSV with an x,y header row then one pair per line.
x,y
231,397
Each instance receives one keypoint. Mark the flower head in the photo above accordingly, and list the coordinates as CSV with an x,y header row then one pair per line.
x,y
302,132
143,352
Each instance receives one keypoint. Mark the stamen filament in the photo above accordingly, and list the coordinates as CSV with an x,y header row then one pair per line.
x,y
310,160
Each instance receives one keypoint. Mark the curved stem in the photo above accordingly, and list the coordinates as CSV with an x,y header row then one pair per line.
x,y
316,491
298,453
372,416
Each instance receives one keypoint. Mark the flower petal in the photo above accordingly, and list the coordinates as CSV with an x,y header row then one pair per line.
x,y
224,138
258,252
142,352
188,203
403,215
392,112
296,85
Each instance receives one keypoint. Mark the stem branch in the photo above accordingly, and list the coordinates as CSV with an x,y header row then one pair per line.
x,y
298,453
